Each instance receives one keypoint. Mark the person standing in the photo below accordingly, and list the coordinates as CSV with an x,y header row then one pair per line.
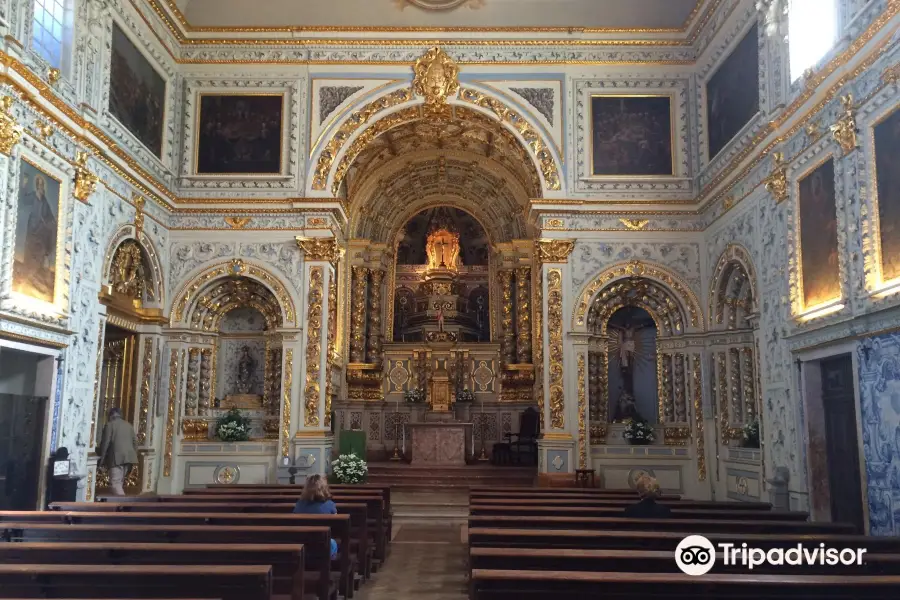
x,y
118,449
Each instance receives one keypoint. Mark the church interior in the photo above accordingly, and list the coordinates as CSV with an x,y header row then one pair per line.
x,y
523,262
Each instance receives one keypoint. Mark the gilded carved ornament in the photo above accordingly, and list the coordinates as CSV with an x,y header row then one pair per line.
x,y
129,277
634,224
85,181
554,251
138,215
436,78
845,130
238,222
320,249
53,75
776,182
10,131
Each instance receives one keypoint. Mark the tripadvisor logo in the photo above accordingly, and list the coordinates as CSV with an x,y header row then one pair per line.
x,y
696,555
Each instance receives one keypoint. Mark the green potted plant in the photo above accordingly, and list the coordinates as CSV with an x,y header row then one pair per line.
x,y
233,426
638,433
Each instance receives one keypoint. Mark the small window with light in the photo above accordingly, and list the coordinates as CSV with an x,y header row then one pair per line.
x,y
813,32
52,32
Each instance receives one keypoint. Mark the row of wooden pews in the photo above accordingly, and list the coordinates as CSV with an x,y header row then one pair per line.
x,y
576,543
243,543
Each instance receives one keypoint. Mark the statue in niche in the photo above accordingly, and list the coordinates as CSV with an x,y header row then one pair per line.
x,y
626,408
246,366
442,249
128,276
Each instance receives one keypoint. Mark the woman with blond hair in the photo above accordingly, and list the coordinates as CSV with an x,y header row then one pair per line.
x,y
647,508
316,500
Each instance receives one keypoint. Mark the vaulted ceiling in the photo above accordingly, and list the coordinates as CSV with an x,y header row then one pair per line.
x,y
374,14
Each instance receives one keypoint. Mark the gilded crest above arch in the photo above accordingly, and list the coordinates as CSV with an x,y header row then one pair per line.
x,y
234,269
153,279
670,284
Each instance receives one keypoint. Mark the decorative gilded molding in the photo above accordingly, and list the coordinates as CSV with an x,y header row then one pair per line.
x,y
582,408
10,130
170,413
677,436
144,406
85,181
553,251
373,346
359,278
776,182
45,130
138,215
313,391
697,389
538,286
53,75
286,402
332,341
238,222
555,347
319,249
195,430
97,375
845,130
507,326
436,79
523,315
635,224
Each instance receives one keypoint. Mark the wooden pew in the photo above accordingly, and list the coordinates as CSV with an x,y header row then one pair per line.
x,y
338,525
662,540
693,504
612,511
540,492
315,540
360,543
651,561
509,584
286,560
233,582
375,504
621,523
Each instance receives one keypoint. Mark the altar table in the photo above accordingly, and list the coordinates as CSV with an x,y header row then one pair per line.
x,y
440,444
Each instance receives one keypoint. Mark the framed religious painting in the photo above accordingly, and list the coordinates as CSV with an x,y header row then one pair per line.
x,y
37,233
887,177
137,92
732,93
631,136
819,262
239,134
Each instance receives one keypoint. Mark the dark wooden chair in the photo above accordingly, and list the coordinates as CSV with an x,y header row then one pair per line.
x,y
524,443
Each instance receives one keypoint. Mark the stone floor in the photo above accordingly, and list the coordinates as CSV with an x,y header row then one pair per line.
x,y
427,562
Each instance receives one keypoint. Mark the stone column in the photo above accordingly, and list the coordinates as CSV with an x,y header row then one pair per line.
x,y
523,315
358,315
507,330
373,347
557,445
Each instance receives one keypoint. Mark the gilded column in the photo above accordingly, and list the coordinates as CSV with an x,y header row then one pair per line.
x,y
358,315
508,339
523,315
373,346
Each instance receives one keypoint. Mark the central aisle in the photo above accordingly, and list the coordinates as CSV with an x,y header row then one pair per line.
x,y
427,562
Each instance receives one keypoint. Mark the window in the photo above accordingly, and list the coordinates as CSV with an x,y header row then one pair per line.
x,y
813,31
52,32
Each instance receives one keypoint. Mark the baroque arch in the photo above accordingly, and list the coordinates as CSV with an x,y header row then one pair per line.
x,y
217,289
473,107
668,299
732,292
132,263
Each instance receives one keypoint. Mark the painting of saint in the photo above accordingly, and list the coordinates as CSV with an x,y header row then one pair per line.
x,y
818,237
631,135
887,175
732,93
34,263
239,135
137,93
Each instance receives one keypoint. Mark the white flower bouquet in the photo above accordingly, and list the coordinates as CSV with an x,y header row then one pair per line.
x,y
349,468
233,427
414,396
465,396
638,432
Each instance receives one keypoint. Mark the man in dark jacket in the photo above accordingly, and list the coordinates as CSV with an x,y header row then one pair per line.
x,y
118,450
647,508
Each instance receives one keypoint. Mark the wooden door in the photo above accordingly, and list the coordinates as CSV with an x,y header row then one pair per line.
x,y
21,440
841,440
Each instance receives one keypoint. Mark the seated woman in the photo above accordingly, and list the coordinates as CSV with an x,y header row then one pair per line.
x,y
316,500
647,508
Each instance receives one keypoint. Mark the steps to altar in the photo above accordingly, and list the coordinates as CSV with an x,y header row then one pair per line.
x,y
401,476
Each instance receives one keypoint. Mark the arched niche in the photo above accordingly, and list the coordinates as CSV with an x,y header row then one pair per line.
x,y
732,294
132,274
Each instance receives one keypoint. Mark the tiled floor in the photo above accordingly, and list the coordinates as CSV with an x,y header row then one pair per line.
x,y
427,562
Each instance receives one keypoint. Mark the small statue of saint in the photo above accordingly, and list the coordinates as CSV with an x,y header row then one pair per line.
x,y
626,408
440,319
246,366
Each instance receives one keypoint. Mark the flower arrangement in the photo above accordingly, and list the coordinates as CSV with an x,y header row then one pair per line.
x,y
233,426
465,396
349,468
638,432
414,396
751,434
